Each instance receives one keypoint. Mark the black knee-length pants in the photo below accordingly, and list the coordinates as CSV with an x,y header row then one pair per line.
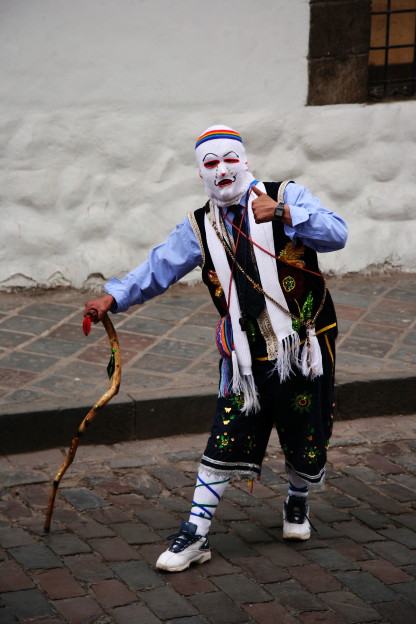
x,y
300,408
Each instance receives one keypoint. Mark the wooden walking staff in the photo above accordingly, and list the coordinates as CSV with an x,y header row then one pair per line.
x,y
114,373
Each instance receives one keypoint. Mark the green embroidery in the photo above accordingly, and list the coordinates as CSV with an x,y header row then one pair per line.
x,y
288,283
302,402
237,400
224,442
251,331
287,450
305,313
312,454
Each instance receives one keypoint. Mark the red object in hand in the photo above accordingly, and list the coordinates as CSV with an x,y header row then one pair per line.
x,y
86,324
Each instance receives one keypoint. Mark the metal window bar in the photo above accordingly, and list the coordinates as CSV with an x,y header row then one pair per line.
x,y
387,81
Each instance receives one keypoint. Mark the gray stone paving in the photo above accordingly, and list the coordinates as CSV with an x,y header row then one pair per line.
x,y
118,502
168,343
120,499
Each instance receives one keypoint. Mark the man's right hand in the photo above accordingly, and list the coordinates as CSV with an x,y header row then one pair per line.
x,y
98,307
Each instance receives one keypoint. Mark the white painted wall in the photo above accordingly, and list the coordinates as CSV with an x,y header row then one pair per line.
x,y
101,102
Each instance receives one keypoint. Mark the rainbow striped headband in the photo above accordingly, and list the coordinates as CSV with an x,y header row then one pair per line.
x,y
218,134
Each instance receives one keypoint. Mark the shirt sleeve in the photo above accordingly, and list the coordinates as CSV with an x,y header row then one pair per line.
x,y
166,264
314,225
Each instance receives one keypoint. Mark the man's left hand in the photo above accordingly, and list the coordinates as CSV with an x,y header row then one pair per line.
x,y
263,208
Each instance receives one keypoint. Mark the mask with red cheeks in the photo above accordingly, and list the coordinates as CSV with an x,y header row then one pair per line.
x,y
222,165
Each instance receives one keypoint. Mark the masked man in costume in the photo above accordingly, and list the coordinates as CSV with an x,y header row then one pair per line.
x,y
257,244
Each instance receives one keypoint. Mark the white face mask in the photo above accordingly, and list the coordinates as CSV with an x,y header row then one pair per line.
x,y
223,167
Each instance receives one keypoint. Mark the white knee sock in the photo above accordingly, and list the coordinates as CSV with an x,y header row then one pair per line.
x,y
207,495
297,486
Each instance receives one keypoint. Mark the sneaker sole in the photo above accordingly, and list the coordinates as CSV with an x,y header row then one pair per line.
x,y
199,559
296,536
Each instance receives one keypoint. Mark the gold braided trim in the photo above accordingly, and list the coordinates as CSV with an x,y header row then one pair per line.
x,y
211,212
268,334
320,331
197,233
330,353
324,329
281,191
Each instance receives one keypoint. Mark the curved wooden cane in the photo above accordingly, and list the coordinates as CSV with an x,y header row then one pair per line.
x,y
103,400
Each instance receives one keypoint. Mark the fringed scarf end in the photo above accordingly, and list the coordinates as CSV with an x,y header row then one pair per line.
x,y
287,356
232,382
251,396
311,358
236,381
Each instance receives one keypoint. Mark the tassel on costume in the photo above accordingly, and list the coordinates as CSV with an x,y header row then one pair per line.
x,y
237,385
233,383
251,397
287,355
224,340
311,359
224,377
244,384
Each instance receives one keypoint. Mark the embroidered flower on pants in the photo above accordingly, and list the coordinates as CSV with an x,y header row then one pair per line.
x,y
312,454
227,416
237,400
224,442
250,444
302,402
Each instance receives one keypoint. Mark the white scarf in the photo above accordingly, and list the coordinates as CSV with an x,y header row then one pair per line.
x,y
287,343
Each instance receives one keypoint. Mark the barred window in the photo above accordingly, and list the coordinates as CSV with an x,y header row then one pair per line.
x,y
361,51
392,53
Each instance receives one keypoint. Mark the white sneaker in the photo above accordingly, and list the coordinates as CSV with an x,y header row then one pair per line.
x,y
186,548
296,525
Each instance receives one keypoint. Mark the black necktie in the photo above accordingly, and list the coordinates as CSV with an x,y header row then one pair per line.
x,y
251,301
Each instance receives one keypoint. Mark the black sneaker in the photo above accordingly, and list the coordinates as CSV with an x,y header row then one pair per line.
x,y
187,548
296,523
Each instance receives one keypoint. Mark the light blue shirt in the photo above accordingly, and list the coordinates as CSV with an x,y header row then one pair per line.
x,y
312,224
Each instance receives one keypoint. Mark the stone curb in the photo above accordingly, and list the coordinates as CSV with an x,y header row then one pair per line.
x,y
375,396
149,416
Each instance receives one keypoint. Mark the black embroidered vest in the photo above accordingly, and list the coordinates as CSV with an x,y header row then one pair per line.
x,y
299,274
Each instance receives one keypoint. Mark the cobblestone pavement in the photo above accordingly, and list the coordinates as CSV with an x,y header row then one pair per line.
x,y
117,503
168,343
